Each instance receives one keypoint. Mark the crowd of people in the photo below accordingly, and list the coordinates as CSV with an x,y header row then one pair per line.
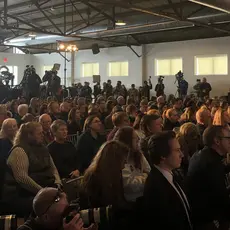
x,y
158,162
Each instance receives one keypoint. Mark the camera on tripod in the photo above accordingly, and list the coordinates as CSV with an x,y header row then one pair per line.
x,y
5,75
179,76
160,79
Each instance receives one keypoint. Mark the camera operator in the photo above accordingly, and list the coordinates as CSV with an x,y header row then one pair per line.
x,y
196,87
205,88
145,90
182,85
160,87
49,210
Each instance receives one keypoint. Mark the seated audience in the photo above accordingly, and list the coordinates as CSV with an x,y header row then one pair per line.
x,y
89,141
119,119
43,109
14,108
177,105
144,106
108,120
22,111
63,153
3,113
64,111
54,110
203,118
164,202
102,182
171,120
74,124
49,208
30,168
109,105
136,125
131,111
27,118
136,168
7,134
121,101
189,115
221,117
45,121
206,185
190,141
34,106
150,124
102,109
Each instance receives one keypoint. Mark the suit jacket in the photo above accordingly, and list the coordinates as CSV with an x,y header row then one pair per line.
x,y
207,188
162,206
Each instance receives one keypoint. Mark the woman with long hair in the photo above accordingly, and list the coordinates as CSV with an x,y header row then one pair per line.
x,y
89,141
102,181
30,168
221,117
73,124
189,115
136,168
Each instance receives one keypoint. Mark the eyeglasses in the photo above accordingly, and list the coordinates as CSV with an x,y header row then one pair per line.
x,y
56,199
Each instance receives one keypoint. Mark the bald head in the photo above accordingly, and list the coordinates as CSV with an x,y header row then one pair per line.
x,y
52,203
203,117
45,120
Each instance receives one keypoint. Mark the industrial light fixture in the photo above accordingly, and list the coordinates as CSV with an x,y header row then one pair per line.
x,y
32,35
120,23
210,6
67,47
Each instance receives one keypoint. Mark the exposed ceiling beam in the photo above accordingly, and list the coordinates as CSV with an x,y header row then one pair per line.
x,y
78,11
163,15
46,16
221,5
26,23
99,10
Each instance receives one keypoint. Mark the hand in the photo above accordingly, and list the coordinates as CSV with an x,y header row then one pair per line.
x,y
75,173
75,224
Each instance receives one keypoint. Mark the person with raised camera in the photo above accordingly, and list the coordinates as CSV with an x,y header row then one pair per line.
x,y
50,208
160,87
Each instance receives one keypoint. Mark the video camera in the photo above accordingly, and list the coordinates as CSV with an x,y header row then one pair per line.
x,y
5,75
160,79
29,70
102,215
179,76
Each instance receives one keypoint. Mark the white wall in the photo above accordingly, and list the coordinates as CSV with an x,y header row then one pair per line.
x,y
111,55
188,50
20,60
141,68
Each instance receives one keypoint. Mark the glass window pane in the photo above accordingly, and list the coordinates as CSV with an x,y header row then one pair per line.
x,y
221,65
95,68
204,66
176,66
87,70
114,69
124,69
163,67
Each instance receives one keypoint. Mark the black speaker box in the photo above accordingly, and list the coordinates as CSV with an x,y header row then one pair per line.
x,y
95,49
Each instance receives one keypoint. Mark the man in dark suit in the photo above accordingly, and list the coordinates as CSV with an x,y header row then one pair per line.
x,y
164,203
206,180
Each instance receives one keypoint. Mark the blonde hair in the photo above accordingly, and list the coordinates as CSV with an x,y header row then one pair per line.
x,y
219,117
22,136
153,112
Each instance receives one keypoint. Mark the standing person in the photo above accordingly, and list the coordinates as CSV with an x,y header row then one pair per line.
x,y
206,181
90,141
146,89
164,200
64,153
96,90
108,89
86,91
133,94
205,88
159,89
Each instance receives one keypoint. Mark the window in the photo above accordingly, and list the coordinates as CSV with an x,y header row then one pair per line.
x,y
168,67
47,68
14,71
118,69
215,65
17,51
90,69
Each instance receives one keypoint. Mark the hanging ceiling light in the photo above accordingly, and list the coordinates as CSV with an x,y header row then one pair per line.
x,y
67,47
32,35
120,23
